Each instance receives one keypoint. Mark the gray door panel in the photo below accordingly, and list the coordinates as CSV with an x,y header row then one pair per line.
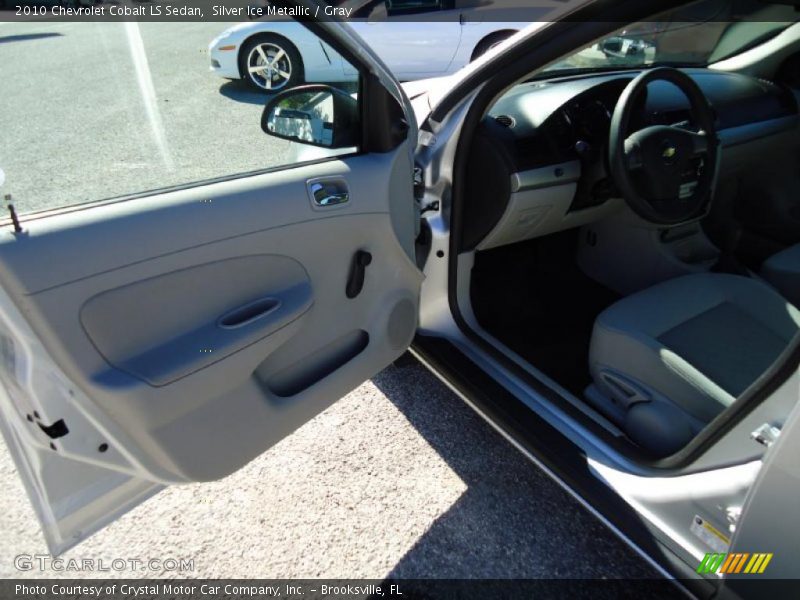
x,y
167,327
205,324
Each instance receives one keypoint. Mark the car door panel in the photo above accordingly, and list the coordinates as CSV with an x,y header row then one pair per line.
x,y
57,487
186,332
151,329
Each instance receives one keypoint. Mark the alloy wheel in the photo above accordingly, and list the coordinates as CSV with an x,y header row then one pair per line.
x,y
269,66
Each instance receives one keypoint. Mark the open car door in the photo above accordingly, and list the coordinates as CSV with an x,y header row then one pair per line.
x,y
174,336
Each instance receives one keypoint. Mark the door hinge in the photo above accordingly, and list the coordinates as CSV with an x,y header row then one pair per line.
x,y
732,514
426,138
429,207
56,430
766,435
419,184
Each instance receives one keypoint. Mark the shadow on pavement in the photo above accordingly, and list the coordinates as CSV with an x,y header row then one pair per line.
x,y
27,37
513,521
240,91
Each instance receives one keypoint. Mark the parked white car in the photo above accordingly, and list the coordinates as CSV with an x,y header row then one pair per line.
x,y
415,40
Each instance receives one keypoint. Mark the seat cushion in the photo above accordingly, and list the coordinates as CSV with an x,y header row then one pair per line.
x,y
782,270
697,341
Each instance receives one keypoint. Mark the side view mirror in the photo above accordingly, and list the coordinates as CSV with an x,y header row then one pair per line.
x,y
611,45
317,115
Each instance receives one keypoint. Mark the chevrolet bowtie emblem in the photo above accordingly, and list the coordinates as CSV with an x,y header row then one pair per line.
x,y
669,152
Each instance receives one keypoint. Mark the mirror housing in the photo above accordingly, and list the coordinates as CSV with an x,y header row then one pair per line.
x,y
316,115
612,45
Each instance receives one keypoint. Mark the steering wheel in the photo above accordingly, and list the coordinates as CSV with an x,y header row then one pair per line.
x,y
665,173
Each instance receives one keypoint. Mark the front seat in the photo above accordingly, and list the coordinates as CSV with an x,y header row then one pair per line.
x,y
667,360
782,270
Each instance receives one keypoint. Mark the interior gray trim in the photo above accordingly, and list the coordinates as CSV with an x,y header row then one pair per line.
x,y
166,327
566,172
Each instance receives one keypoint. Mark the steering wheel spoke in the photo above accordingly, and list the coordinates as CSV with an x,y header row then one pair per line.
x,y
654,167
633,155
700,143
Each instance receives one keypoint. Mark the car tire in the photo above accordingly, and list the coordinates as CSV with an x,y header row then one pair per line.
x,y
286,74
489,42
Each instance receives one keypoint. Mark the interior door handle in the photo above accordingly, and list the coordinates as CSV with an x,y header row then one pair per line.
x,y
250,312
328,192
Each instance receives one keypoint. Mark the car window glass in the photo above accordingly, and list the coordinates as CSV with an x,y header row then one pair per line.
x,y
412,7
696,35
133,108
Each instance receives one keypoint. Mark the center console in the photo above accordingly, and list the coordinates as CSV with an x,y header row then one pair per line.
x,y
627,254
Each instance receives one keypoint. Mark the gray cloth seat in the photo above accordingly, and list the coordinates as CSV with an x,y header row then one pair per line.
x,y
782,270
667,360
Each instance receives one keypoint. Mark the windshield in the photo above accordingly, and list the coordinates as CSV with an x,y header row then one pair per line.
x,y
697,35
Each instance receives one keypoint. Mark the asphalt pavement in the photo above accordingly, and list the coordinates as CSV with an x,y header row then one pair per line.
x,y
398,478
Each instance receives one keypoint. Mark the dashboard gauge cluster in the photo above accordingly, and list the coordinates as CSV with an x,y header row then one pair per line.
x,y
584,120
590,119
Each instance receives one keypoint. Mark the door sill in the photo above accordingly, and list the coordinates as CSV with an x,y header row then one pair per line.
x,y
556,455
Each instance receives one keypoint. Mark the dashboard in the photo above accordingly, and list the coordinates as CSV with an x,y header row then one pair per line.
x,y
560,113
540,155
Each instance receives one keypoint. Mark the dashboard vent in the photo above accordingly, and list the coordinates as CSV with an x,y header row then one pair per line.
x,y
505,120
